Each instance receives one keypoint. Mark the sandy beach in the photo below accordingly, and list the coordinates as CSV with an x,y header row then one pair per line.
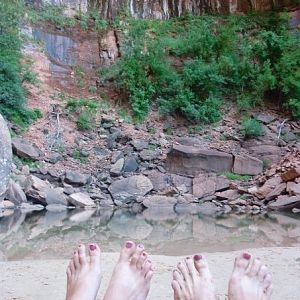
x,y
46,280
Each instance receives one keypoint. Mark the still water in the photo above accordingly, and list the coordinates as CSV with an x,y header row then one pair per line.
x,y
54,234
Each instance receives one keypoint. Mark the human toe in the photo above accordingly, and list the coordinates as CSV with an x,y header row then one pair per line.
x,y
242,262
136,255
254,267
127,251
94,252
82,254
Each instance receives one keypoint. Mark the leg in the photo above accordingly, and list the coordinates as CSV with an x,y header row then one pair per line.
x,y
132,275
192,280
250,280
84,273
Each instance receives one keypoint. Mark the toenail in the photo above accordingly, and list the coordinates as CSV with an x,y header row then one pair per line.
x,y
188,257
141,246
93,247
197,257
246,256
128,244
75,252
144,254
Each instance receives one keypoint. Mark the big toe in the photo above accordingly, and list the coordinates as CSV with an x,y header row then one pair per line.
x,y
127,251
201,265
94,252
242,262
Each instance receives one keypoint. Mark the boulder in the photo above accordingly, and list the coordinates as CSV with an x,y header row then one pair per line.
x,y
178,181
55,196
81,200
24,149
139,145
76,178
268,153
15,193
5,157
116,168
247,165
293,188
148,155
128,189
189,160
159,180
130,165
268,187
204,185
278,190
265,118
291,174
285,202
228,195
35,189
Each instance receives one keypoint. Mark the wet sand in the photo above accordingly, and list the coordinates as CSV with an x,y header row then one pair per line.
x,y
46,280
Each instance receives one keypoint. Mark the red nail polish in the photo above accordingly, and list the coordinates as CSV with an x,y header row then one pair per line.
x,y
246,256
92,247
144,254
197,257
128,245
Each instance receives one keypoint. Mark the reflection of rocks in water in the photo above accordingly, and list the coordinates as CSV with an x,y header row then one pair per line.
x,y
124,225
51,234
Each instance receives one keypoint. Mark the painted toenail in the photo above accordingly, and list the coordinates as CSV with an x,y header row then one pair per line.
x,y
92,247
141,246
188,257
128,245
197,257
246,256
144,254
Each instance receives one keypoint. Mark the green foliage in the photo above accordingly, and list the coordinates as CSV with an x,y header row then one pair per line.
x,y
191,65
251,128
85,110
12,94
234,176
294,106
55,14
78,156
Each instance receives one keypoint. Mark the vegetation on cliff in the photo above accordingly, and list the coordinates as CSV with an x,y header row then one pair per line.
x,y
193,65
12,94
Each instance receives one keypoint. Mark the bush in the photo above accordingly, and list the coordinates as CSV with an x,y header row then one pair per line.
x,y
191,65
294,106
251,128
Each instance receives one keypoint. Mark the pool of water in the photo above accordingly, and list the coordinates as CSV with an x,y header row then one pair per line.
x,y
54,234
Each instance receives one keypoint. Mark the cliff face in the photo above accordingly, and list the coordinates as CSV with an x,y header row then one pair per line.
x,y
164,9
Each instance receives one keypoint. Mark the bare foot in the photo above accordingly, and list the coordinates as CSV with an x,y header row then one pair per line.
x,y
132,275
84,273
250,280
192,280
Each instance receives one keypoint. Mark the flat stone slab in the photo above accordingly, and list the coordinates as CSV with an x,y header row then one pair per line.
x,y
286,202
5,157
247,165
189,160
24,149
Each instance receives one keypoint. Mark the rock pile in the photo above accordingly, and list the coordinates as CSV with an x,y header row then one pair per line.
x,y
281,184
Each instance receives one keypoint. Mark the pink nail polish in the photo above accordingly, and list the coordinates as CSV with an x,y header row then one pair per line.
x,y
92,247
128,245
197,257
246,256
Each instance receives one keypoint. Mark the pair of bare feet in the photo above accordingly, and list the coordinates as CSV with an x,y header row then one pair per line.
x,y
192,279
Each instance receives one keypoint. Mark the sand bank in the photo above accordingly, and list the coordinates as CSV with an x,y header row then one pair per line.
x,y
46,280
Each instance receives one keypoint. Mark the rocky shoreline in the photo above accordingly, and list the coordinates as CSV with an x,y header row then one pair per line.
x,y
158,174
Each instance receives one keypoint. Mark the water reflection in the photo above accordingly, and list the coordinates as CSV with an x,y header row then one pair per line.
x,y
54,234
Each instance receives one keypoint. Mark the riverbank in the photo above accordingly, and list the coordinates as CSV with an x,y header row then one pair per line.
x,y
45,279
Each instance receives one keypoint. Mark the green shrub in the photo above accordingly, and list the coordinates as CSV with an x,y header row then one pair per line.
x,y
191,65
84,121
234,176
251,128
294,107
